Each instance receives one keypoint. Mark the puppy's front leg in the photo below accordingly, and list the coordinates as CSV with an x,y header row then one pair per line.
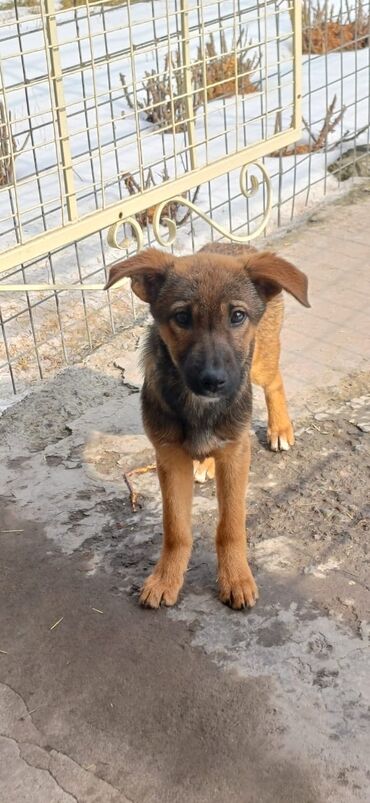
x,y
175,471
236,582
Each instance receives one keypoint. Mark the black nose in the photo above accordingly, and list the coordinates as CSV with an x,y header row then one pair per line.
x,y
212,380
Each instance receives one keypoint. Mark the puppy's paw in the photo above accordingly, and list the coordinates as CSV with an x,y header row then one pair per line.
x,y
160,589
238,589
204,469
280,438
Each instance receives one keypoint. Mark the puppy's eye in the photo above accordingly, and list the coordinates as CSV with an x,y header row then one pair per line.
x,y
237,317
183,318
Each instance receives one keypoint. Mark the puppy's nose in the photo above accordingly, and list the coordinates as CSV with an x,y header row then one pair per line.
x,y
212,380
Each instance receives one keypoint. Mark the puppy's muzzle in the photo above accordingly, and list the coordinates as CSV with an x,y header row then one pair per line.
x,y
212,381
211,375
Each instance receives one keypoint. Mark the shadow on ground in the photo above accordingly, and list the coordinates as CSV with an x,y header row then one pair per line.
x,y
197,703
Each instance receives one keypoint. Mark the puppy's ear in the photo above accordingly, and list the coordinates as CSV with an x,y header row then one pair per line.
x,y
147,271
271,274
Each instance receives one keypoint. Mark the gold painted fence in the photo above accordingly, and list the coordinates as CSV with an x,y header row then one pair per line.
x,y
113,113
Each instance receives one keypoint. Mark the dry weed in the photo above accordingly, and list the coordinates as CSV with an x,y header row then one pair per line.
x,y
324,31
223,72
8,147
165,103
318,142
170,210
216,73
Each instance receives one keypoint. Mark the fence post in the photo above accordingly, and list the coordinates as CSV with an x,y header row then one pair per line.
x,y
59,109
188,82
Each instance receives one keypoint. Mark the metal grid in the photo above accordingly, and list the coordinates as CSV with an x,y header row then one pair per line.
x,y
104,91
75,83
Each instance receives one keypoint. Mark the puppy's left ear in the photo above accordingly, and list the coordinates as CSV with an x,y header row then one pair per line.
x,y
271,274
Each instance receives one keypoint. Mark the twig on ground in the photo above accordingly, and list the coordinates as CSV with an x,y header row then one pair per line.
x,y
56,623
134,496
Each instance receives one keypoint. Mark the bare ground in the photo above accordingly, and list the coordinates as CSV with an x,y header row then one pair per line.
x,y
196,703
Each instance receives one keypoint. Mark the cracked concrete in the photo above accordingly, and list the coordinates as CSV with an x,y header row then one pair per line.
x,y
102,702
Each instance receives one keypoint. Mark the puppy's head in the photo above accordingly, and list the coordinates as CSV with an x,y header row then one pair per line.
x,y
207,307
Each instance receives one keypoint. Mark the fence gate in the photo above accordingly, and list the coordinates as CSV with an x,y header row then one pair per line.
x,y
115,115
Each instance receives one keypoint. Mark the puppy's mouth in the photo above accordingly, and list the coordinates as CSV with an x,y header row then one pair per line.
x,y
210,390
208,398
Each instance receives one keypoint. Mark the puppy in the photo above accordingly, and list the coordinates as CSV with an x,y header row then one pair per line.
x,y
217,319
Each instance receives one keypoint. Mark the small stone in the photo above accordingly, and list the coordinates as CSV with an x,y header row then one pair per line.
x,y
364,426
316,219
321,416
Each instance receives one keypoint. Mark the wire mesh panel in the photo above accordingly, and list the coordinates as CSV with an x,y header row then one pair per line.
x,y
115,117
110,100
127,123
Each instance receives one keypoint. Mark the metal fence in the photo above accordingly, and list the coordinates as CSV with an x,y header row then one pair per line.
x,y
128,123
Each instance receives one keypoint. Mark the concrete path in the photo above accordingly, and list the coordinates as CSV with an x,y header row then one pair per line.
x,y
333,338
101,701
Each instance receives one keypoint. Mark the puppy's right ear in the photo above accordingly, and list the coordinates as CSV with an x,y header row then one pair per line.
x,y
147,271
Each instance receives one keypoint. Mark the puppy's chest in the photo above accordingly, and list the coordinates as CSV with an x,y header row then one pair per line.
x,y
209,426
200,443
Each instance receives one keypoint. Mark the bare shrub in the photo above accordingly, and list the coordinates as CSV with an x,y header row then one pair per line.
x,y
217,72
165,103
324,30
318,142
170,210
8,147
223,72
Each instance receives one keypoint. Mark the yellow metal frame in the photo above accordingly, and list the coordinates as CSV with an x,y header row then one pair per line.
x,y
125,212
48,14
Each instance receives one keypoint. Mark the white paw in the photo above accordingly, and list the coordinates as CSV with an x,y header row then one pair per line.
x,y
204,469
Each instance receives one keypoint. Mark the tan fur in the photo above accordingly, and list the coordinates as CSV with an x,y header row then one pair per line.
x,y
236,582
265,372
175,472
226,449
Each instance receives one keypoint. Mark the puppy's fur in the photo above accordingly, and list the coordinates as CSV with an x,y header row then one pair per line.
x,y
217,320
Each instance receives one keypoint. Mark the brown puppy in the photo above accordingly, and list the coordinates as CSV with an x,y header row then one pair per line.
x,y
217,318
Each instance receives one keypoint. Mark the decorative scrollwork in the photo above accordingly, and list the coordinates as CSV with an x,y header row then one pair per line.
x,y
112,236
249,186
247,191
159,220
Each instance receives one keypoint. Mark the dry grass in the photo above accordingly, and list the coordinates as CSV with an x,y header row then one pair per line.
x,y
165,101
170,210
217,72
20,336
75,3
8,5
225,73
8,147
324,31
317,142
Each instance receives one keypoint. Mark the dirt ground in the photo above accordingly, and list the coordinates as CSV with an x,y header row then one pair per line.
x,y
198,702
103,702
